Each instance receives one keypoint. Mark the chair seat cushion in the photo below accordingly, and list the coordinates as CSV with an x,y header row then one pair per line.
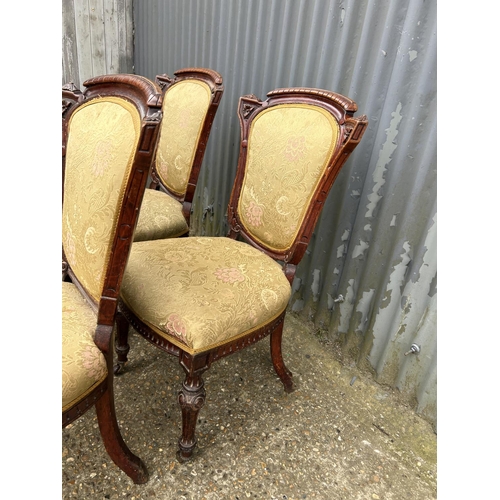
x,y
201,292
83,363
160,217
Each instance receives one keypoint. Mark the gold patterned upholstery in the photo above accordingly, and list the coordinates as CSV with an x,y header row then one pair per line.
x,y
101,145
200,292
160,217
185,107
189,104
282,173
83,364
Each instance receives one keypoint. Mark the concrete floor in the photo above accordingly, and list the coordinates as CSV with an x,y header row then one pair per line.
x,y
335,437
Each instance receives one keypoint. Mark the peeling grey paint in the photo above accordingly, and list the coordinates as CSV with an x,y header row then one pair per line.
x,y
433,286
408,309
363,307
387,150
360,249
315,287
331,302
296,284
389,313
346,307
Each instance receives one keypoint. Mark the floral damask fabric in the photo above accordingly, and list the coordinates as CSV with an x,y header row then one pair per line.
x,y
83,364
200,292
160,217
103,136
289,147
184,109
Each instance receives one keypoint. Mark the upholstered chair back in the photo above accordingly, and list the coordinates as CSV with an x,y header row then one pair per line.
x,y
289,148
103,135
292,148
185,107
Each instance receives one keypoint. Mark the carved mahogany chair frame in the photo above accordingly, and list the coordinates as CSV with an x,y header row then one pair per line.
x,y
145,97
192,394
214,81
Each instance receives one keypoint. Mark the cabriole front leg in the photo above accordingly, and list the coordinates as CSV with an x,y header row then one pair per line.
x,y
279,365
119,452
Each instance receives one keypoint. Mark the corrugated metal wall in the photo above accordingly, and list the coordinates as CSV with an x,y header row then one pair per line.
x,y
97,39
368,279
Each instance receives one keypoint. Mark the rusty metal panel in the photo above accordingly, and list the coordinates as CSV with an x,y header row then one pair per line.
x,y
368,280
97,38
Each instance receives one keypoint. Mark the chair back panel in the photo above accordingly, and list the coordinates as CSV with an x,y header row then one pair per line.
x,y
185,107
103,135
292,148
289,148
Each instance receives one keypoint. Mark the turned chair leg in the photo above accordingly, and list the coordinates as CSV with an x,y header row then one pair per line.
x,y
121,344
113,441
276,355
191,400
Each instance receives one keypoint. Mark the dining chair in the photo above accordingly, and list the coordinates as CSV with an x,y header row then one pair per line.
x,y
190,102
110,137
204,298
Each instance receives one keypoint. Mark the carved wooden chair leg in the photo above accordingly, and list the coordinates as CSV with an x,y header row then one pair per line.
x,y
276,355
121,345
113,441
191,400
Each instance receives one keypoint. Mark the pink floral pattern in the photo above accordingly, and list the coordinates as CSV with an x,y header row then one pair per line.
x,y
214,294
253,317
101,144
176,326
295,148
254,214
102,158
229,275
289,147
93,362
163,168
83,364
